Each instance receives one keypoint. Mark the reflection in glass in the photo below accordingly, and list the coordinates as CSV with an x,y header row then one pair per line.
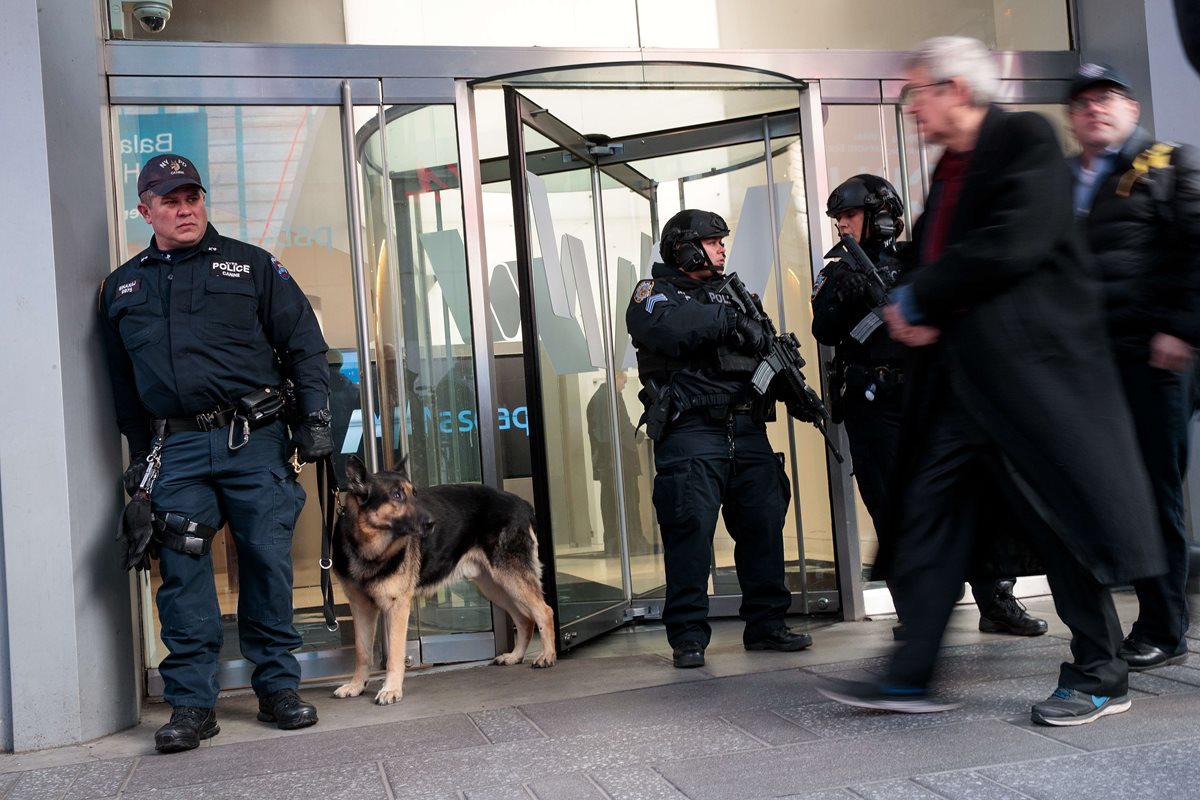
x,y
419,318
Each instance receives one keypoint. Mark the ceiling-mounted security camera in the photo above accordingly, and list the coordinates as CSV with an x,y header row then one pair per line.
x,y
152,16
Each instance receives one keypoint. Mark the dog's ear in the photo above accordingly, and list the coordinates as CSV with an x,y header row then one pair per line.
x,y
402,466
356,476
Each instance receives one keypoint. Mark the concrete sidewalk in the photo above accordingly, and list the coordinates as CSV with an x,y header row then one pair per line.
x,y
614,720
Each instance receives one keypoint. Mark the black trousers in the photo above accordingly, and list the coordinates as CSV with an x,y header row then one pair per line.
x,y
958,464
1160,402
611,511
873,428
703,468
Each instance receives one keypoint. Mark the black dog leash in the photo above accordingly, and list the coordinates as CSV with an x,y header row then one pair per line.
x,y
330,507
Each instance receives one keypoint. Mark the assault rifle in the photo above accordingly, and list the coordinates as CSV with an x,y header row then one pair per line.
x,y
782,364
858,261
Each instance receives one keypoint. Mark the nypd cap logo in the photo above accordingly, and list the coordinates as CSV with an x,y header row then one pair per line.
x,y
165,173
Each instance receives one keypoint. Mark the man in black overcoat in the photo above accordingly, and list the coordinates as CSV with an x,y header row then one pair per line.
x,y
1014,402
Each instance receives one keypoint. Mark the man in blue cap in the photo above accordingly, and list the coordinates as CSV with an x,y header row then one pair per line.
x,y
201,333
1137,202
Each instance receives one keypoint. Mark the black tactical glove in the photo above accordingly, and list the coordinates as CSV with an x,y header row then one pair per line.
x,y
810,409
314,438
746,333
136,532
135,472
857,286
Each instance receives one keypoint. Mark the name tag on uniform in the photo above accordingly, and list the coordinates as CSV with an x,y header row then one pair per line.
x,y
129,287
231,269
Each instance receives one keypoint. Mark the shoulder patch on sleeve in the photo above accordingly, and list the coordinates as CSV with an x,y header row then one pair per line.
x,y
818,283
643,290
281,269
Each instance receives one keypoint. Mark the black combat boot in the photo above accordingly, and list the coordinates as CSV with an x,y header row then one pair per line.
x,y
287,710
187,727
1006,614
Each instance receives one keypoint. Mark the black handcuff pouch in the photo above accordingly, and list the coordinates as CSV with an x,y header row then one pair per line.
x,y
260,406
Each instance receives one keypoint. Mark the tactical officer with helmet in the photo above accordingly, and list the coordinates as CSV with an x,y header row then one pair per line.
x,y
867,373
696,354
201,333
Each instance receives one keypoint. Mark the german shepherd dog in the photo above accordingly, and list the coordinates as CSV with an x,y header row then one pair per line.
x,y
393,541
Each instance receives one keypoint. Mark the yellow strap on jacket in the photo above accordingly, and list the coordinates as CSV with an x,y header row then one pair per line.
x,y
1156,156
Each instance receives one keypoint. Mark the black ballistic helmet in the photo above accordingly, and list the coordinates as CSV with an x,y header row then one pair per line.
x,y
883,210
680,244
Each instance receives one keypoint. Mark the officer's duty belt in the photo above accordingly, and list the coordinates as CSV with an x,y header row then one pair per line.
x,y
206,421
210,421
177,532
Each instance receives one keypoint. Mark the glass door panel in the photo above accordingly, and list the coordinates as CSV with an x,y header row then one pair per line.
x,y
558,215
732,181
275,179
419,321
629,237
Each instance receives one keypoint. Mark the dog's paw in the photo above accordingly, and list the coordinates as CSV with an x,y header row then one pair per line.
x,y
544,662
349,690
507,659
388,696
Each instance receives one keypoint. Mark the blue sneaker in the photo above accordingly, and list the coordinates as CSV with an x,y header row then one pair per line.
x,y
1069,707
862,694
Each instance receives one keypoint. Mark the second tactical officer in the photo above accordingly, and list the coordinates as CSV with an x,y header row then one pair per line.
x,y
201,332
695,357
867,374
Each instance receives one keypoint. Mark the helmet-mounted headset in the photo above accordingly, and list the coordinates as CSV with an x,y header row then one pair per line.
x,y
883,210
681,236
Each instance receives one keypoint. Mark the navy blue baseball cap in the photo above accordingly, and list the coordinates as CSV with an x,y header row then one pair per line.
x,y
1089,75
165,173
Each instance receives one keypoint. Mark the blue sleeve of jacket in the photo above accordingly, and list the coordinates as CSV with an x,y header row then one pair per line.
x,y
672,324
292,329
132,418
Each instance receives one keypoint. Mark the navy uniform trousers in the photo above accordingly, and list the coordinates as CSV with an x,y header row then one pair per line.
x,y
1161,404
703,468
254,489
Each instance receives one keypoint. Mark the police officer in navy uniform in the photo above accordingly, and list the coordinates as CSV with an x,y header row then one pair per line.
x,y
200,331
695,358
868,369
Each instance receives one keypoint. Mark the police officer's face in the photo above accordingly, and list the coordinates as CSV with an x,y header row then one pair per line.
x,y
850,221
1102,117
715,248
179,218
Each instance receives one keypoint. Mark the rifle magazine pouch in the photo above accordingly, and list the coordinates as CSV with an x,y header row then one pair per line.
x,y
261,406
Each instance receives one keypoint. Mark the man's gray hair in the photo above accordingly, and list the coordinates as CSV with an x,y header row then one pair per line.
x,y
946,57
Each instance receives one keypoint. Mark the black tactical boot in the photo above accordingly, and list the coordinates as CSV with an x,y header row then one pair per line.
x,y
187,727
287,710
688,655
1006,614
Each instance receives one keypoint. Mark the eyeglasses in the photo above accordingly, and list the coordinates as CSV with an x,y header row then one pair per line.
x,y
1101,100
908,95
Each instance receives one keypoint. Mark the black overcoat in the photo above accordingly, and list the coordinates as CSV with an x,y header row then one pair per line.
x,y
1023,346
